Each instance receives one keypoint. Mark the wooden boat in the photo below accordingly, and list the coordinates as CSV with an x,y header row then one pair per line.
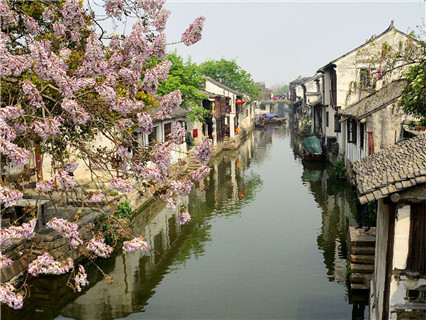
x,y
272,118
259,122
312,149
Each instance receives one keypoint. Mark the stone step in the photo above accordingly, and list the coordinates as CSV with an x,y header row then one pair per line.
x,y
360,278
363,259
363,250
362,268
358,286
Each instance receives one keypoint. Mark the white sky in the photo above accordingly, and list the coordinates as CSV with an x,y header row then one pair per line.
x,y
276,41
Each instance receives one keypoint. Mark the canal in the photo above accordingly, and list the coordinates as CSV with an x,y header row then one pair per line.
x,y
267,240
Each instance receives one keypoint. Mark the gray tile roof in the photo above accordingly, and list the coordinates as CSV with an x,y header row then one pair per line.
x,y
221,85
391,28
391,170
375,101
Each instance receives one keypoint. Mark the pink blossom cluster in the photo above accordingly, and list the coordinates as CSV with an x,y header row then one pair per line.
x,y
167,197
81,278
169,103
48,14
116,59
93,64
203,151
120,185
97,197
4,261
115,44
107,93
72,15
8,198
151,173
7,132
46,264
193,33
114,8
25,231
50,127
181,187
65,53
162,156
11,64
59,29
71,166
161,19
8,18
151,7
77,114
32,94
8,295
135,44
15,154
178,133
144,123
99,247
67,182
123,124
75,36
130,76
184,217
67,230
47,65
11,112
123,106
45,185
32,26
151,77
158,48
136,244
123,153
200,173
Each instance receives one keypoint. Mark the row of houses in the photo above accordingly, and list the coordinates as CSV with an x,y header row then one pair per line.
x,y
229,117
354,109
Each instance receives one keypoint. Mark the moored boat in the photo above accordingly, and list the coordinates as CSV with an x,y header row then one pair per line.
x,y
312,149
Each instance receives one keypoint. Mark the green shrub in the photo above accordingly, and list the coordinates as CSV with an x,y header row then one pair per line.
x,y
124,210
339,169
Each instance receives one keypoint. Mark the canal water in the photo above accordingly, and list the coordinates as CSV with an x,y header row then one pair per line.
x,y
267,240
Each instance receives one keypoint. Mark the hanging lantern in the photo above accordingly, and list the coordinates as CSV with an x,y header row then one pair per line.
x,y
239,101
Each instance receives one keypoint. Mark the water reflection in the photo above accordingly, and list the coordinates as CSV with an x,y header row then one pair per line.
x,y
265,230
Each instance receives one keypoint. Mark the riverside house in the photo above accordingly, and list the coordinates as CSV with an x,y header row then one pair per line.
x,y
396,177
350,78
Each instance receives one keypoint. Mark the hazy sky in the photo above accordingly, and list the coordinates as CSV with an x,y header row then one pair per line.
x,y
276,41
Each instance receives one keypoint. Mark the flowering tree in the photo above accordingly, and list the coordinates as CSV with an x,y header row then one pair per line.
x,y
76,98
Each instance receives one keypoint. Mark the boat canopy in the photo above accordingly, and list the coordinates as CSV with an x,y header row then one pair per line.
x,y
270,115
312,145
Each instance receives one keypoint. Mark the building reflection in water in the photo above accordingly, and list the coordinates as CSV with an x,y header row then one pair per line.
x,y
231,185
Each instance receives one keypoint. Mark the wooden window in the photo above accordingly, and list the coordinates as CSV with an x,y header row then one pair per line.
x,y
337,124
167,131
351,126
417,246
195,133
361,135
365,78
153,135
228,105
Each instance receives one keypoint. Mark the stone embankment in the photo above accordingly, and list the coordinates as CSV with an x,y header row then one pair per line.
x,y
22,252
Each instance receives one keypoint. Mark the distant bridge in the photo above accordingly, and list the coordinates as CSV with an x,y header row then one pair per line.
x,y
275,101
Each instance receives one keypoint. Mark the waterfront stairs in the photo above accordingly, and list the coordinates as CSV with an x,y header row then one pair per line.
x,y
361,257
